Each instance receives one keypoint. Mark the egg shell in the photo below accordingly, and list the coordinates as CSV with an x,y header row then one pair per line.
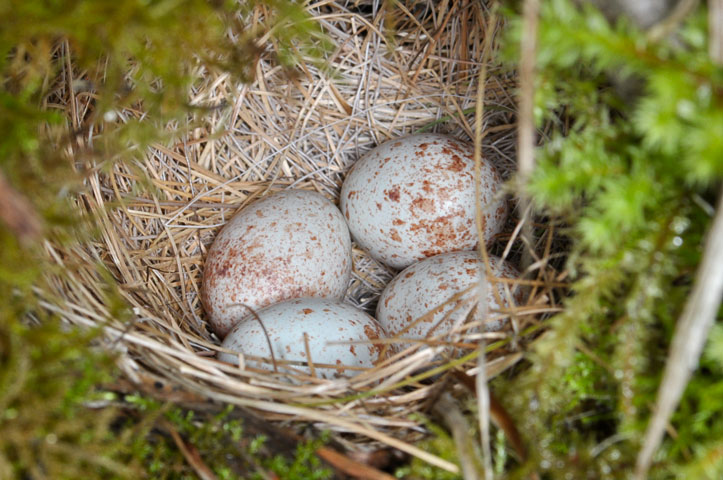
x,y
324,321
291,244
414,197
423,286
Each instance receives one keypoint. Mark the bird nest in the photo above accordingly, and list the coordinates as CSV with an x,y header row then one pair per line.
x,y
304,131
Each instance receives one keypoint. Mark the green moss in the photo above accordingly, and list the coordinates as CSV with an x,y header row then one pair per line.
x,y
628,178
440,444
305,464
47,374
220,441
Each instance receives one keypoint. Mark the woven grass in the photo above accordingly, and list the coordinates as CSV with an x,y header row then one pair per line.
x,y
301,131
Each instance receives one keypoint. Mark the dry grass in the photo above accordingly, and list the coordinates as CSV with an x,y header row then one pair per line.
x,y
302,131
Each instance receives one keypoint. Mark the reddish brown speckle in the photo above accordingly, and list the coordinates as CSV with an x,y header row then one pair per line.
x,y
394,234
372,334
424,204
398,222
386,300
393,193
223,271
440,232
307,311
379,206
457,164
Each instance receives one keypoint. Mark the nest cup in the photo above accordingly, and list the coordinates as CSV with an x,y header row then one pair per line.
x,y
382,80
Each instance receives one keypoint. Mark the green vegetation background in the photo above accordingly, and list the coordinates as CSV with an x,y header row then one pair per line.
x,y
630,181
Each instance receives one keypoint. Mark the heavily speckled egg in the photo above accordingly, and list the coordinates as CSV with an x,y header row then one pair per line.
x,y
291,244
427,284
413,198
324,322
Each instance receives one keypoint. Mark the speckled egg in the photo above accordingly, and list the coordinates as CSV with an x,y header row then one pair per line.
x,y
413,198
291,244
423,286
324,322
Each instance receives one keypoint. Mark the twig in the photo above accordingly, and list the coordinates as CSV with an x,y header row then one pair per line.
x,y
266,332
525,115
71,88
190,453
481,380
346,465
715,26
499,416
312,370
483,402
670,23
688,340
458,425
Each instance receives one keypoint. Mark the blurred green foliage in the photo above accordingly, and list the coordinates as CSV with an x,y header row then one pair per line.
x,y
46,374
633,178
135,54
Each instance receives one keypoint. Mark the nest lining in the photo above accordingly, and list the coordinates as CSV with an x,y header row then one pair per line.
x,y
296,132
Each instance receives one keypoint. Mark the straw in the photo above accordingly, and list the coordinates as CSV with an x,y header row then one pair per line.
x,y
298,132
